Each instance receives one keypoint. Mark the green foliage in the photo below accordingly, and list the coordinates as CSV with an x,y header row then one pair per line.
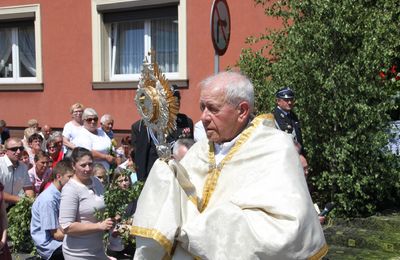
x,y
117,200
19,220
331,53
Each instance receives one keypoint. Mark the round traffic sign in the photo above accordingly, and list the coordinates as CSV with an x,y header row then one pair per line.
x,y
220,26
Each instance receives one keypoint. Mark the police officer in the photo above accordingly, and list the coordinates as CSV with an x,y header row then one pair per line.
x,y
286,120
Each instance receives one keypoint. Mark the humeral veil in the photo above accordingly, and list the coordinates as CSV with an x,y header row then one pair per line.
x,y
254,204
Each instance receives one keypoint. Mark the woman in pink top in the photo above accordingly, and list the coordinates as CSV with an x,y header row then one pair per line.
x,y
41,171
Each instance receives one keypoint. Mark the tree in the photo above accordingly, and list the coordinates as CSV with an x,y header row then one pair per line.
x,y
342,59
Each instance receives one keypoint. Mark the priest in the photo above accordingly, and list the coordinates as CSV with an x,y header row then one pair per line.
x,y
239,194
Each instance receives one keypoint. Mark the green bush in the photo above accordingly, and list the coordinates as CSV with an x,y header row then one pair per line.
x,y
19,221
338,56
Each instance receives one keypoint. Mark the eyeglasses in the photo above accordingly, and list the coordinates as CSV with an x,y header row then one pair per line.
x,y
77,111
93,119
14,149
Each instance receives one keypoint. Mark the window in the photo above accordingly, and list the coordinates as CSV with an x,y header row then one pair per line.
x,y
17,51
129,30
19,45
131,38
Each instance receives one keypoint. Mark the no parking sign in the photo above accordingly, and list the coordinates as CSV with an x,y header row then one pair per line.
x,y
220,26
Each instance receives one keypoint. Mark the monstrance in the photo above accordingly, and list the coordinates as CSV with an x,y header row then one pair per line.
x,y
157,106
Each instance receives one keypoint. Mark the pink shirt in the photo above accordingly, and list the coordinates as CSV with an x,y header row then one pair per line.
x,y
36,181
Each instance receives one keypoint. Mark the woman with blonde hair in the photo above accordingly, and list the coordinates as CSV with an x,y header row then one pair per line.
x,y
72,128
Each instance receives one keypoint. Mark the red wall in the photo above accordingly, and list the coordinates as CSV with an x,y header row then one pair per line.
x,y
67,62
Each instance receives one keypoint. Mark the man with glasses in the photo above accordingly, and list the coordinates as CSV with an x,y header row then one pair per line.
x,y
287,121
13,174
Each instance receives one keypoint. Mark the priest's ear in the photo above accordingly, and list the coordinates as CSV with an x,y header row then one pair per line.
x,y
244,110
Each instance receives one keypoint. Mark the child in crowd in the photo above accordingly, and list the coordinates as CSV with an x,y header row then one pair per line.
x,y
25,159
45,229
101,173
116,247
130,166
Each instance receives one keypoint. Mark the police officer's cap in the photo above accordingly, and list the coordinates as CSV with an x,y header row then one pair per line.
x,y
285,92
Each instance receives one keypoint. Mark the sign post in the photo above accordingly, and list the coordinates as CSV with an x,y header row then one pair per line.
x,y
220,29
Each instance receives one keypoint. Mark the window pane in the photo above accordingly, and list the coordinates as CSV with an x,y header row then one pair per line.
x,y
27,58
5,53
128,39
164,40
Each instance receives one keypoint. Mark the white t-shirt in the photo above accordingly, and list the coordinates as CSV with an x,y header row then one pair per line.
x,y
100,143
70,131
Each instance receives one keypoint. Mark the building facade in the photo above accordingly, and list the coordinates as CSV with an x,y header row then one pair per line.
x,y
54,53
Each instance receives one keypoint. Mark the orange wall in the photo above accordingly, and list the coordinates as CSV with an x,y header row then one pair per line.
x,y
67,62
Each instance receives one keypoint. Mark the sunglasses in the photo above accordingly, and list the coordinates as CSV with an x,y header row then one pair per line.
x,y
93,119
14,149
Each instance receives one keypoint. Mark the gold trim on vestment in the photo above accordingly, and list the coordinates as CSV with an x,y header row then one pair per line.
x,y
153,234
215,170
194,200
321,253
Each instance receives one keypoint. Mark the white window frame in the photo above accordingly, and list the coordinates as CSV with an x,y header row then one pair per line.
x,y
147,46
101,43
14,12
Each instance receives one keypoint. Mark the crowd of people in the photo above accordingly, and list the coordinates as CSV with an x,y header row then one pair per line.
x,y
67,172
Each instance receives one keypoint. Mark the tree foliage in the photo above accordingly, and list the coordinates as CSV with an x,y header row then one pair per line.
x,y
342,59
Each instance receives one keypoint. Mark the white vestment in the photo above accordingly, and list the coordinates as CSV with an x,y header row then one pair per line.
x,y
254,204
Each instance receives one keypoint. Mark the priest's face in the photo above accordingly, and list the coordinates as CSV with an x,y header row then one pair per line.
x,y
221,120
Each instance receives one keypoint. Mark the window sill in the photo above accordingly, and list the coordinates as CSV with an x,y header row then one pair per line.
x,y
21,87
107,85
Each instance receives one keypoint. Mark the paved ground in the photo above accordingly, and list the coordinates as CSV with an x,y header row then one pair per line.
x,y
22,256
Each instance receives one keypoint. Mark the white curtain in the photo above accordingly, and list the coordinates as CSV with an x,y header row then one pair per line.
x,y
129,43
164,40
5,49
128,39
26,43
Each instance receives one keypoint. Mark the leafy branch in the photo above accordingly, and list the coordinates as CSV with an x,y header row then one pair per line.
x,y
117,201
19,218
